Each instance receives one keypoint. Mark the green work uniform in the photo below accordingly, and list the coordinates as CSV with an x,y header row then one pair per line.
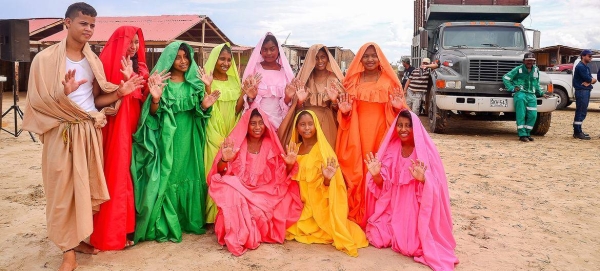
x,y
525,99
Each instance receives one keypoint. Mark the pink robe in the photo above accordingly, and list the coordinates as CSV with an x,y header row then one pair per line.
x,y
271,90
413,218
256,198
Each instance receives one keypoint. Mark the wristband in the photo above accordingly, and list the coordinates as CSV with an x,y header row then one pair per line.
x,y
223,160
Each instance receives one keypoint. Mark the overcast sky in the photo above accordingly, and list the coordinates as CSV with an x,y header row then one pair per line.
x,y
331,22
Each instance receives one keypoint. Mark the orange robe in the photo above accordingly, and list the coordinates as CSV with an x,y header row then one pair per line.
x,y
362,130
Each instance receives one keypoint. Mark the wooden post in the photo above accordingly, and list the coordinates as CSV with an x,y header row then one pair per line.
x,y
203,34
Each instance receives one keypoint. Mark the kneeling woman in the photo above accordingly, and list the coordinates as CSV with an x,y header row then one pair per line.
x,y
252,187
324,219
408,206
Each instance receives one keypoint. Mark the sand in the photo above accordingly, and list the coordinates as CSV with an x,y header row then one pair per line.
x,y
516,206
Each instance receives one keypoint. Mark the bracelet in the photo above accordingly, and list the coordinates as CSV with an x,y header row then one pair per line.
x,y
250,99
223,160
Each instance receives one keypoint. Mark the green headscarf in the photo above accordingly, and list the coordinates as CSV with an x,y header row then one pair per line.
x,y
209,66
167,57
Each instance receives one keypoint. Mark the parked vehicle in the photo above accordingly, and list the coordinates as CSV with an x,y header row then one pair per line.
x,y
476,45
563,88
566,68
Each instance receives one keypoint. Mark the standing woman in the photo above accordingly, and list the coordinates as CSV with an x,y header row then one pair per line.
x,y
123,56
168,150
321,79
220,73
373,99
408,204
266,80
324,219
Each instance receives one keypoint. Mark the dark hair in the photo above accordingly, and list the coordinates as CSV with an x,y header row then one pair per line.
x,y
274,40
84,8
225,48
406,114
135,63
301,114
323,50
255,113
270,38
183,47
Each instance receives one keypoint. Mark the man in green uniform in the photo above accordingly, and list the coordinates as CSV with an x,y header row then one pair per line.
x,y
524,81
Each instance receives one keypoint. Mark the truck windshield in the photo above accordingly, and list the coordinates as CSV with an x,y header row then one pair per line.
x,y
505,37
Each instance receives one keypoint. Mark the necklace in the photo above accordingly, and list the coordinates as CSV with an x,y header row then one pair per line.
x,y
407,151
255,148
376,77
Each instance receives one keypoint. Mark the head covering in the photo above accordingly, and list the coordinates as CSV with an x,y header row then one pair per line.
x,y
326,149
406,60
167,58
434,216
209,66
256,59
310,62
270,146
529,56
116,48
356,68
586,52
426,60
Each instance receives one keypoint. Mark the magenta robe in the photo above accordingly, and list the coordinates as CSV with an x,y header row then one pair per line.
x,y
256,198
413,218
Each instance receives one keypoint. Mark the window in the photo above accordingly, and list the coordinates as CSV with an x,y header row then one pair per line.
x,y
484,37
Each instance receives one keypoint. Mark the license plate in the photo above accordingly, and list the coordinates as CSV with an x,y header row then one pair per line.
x,y
494,102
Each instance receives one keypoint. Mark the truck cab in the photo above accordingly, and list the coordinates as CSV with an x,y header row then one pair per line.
x,y
473,56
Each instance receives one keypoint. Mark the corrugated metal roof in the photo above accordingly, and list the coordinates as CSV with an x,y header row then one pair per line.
x,y
37,24
156,28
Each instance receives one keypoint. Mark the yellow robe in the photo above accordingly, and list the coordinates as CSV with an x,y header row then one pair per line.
x,y
324,219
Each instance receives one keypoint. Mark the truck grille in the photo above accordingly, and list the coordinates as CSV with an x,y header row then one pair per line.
x,y
490,70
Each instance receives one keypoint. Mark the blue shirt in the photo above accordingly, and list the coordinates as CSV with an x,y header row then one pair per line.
x,y
582,74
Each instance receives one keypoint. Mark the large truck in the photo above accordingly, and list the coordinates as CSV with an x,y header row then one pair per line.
x,y
475,42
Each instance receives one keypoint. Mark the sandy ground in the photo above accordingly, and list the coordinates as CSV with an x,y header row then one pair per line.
x,y
516,206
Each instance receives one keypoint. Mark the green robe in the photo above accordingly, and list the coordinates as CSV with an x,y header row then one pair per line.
x,y
223,117
167,162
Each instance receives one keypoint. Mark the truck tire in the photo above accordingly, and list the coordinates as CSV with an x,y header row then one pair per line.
x,y
562,97
542,123
438,119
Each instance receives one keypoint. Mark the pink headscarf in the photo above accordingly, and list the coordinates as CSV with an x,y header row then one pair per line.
x,y
434,218
256,59
270,146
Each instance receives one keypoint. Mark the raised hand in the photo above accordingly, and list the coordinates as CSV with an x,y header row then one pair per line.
x,y
126,68
334,90
70,84
330,168
292,153
130,85
228,150
206,78
210,99
302,93
292,88
397,99
373,164
156,87
250,85
417,169
345,103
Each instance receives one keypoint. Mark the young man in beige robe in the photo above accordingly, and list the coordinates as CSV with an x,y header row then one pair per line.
x,y
66,88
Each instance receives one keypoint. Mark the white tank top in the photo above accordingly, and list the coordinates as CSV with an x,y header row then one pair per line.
x,y
83,96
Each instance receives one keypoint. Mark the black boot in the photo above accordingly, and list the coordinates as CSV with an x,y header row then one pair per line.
x,y
582,136
524,139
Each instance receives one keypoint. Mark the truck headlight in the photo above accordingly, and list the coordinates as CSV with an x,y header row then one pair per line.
x,y
447,84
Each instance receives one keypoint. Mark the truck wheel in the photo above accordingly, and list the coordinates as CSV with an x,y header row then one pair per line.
x,y
542,124
437,117
562,97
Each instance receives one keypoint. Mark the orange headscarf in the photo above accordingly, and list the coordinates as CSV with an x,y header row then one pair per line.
x,y
387,83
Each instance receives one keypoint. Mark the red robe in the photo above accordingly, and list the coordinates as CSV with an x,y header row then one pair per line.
x,y
116,217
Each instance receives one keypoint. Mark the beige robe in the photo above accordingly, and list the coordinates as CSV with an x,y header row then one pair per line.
x,y
72,153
